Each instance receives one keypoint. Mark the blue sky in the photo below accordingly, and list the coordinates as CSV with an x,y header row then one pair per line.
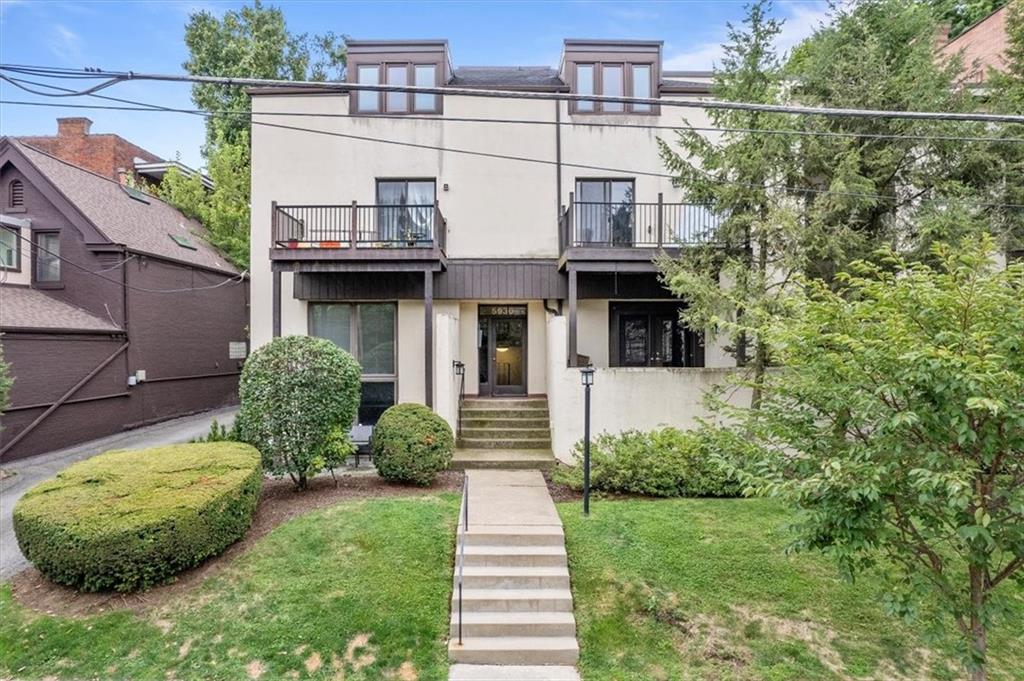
x,y
147,36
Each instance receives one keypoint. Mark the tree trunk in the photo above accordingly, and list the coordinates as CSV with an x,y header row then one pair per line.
x,y
978,635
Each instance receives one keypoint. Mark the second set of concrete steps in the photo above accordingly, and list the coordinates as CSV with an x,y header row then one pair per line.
x,y
516,601
504,432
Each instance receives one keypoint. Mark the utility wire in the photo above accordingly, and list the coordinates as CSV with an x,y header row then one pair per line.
x,y
237,279
527,159
526,121
122,76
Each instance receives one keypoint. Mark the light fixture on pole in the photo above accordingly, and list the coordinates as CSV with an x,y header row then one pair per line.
x,y
587,376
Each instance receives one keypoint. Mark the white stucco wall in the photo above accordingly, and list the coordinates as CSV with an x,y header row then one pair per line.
x,y
621,398
446,351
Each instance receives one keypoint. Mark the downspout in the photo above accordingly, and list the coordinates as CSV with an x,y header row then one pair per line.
x,y
554,312
64,398
558,161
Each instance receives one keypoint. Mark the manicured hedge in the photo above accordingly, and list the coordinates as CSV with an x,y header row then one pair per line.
x,y
128,520
411,444
662,463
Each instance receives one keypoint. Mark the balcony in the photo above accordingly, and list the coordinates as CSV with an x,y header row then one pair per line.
x,y
358,232
629,231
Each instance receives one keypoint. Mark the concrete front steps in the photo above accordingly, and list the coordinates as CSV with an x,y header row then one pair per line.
x,y
516,602
504,432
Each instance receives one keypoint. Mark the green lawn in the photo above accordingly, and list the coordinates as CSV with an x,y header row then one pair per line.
x,y
700,589
356,591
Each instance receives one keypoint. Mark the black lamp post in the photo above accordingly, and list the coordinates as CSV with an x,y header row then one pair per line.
x,y
587,375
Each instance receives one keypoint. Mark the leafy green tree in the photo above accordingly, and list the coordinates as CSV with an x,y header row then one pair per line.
x,y
252,42
895,425
736,174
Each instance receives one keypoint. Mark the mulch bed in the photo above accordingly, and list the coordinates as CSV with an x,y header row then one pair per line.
x,y
279,502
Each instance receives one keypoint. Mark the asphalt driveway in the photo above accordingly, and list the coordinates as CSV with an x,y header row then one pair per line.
x,y
35,469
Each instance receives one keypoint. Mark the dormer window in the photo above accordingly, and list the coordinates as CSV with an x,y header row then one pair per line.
x,y
613,80
391,73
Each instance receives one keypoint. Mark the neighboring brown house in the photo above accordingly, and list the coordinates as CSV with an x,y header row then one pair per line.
x,y
982,47
108,310
105,154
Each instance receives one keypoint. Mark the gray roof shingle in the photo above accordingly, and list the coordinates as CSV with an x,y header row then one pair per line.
x,y
27,308
140,226
527,77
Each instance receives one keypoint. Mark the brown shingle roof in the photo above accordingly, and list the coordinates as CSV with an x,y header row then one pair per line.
x,y
27,308
144,227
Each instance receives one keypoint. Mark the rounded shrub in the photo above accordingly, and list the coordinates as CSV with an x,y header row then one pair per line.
x,y
128,520
299,397
411,444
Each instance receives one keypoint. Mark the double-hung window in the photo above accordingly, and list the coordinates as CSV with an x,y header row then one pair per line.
x,y
10,249
613,79
46,256
396,102
367,332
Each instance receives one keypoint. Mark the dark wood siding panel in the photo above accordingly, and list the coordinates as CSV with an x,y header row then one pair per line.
x,y
533,280
621,286
359,286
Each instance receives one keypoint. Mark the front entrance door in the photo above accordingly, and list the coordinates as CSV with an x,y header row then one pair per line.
x,y
501,347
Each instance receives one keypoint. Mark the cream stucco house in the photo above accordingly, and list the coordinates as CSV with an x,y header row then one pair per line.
x,y
513,235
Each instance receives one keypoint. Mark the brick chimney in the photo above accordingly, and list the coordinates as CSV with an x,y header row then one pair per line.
x,y
73,127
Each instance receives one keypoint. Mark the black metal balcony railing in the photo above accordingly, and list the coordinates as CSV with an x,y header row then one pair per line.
x,y
374,226
636,225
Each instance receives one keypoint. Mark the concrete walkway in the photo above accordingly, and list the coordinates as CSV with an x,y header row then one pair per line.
x,y
35,469
517,620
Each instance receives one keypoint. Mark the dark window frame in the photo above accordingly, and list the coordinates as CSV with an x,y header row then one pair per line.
x,y
16,267
382,108
59,283
627,66
11,206
355,328
692,348
607,181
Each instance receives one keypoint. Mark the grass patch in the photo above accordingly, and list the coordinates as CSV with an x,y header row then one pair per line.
x,y
700,588
359,590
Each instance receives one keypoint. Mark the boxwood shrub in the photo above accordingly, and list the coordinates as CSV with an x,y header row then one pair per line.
x,y
411,443
666,462
299,398
128,520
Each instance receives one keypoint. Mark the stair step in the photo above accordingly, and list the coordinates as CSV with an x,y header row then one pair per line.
x,y
514,433
521,672
515,556
505,402
505,443
523,422
503,577
513,600
514,535
505,412
515,650
514,624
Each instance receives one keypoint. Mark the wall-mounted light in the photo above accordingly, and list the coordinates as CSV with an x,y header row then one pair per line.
x,y
445,186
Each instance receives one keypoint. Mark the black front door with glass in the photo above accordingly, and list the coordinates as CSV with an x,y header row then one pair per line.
x,y
501,348
651,335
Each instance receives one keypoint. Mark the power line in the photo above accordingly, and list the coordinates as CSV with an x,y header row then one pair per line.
x,y
239,278
123,76
527,159
526,121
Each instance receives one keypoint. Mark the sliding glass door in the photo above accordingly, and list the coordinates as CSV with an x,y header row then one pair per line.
x,y
604,212
405,212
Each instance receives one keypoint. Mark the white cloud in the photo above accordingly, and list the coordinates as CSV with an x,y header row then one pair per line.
x,y
801,19
65,44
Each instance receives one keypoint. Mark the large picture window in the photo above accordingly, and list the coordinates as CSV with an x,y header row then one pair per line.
x,y
367,331
651,335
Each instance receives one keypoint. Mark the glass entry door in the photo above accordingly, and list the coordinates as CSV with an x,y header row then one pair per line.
x,y
501,348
